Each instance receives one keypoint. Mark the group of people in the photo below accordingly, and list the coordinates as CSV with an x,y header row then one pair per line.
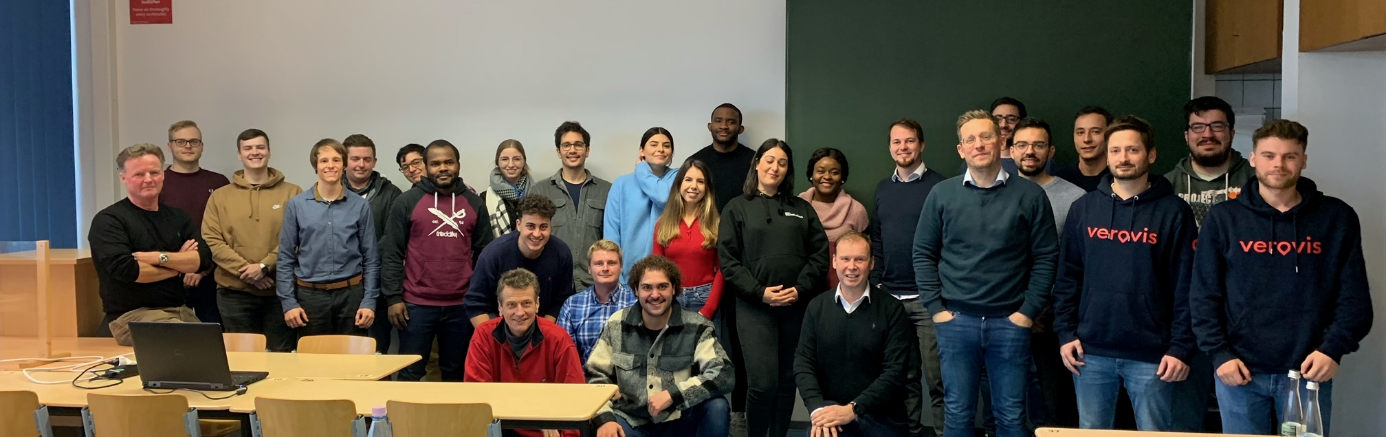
x,y
710,292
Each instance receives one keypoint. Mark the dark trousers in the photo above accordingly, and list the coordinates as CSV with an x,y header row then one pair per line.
x,y
725,321
1192,395
381,330
1056,393
450,326
203,300
245,312
707,419
929,376
769,336
331,311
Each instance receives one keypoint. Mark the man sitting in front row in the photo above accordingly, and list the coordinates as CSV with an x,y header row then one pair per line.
x,y
520,346
666,363
854,353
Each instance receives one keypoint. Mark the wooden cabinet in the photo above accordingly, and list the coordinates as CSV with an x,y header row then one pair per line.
x,y
1335,23
1243,33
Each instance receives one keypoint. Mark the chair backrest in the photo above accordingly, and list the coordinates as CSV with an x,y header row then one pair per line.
x,y
243,342
17,414
336,344
409,419
290,418
138,415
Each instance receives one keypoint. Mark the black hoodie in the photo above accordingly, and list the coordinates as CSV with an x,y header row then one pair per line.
x,y
1123,282
767,241
381,193
1271,287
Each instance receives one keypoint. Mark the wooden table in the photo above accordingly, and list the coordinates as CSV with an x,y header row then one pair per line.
x,y
74,297
1066,432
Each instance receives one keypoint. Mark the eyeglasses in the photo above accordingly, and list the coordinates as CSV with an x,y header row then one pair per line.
x,y
985,136
1009,118
417,163
572,146
1218,126
663,286
1024,145
186,143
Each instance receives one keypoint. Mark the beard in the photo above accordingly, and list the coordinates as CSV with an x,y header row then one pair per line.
x,y
1030,172
1289,181
1215,159
1136,173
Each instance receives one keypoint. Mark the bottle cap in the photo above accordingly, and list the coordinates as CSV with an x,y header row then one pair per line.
x,y
1294,374
1312,385
378,411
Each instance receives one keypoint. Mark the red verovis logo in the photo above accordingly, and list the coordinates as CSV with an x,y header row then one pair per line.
x,y
1124,236
1308,246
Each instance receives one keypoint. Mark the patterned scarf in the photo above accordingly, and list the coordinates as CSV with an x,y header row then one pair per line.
x,y
505,189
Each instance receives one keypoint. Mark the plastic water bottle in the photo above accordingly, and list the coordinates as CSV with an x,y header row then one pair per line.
x,y
1313,417
1293,423
380,425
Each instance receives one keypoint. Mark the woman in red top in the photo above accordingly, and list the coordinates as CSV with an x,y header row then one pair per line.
x,y
687,234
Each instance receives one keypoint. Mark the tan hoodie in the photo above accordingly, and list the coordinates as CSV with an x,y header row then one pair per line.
x,y
241,226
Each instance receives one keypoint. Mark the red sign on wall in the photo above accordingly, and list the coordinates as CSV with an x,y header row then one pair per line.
x,y
151,11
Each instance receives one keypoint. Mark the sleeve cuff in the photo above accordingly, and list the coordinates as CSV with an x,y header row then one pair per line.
x,y
1335,353
1031,310
1066,337
1221,356
1179,352
603,419
394,299
936,307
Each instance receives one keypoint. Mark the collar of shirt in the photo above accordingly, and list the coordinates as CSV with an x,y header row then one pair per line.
x,y
851,306
317,194
914,176
1001,177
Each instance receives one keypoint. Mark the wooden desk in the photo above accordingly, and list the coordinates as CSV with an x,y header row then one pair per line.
x,y
1066,432
26,347
75,294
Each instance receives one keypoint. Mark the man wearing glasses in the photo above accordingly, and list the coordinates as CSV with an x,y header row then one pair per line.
x,y
187,186
411,162
579,197
1007,113
1211,174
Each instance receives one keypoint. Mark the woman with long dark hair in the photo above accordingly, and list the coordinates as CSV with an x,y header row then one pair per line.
x,y
687,234
774,255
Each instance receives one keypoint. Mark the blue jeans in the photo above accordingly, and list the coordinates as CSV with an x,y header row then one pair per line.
x,y
965,344
454,332
1258,406
694,298
707,419
1101,381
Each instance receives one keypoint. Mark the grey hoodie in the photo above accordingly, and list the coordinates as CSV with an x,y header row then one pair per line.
x,y
1203,194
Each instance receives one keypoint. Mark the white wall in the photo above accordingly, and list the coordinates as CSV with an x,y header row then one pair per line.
x,y
474,73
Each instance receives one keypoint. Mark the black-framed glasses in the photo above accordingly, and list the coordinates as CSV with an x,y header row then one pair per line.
x,y
1024,145
1009,118
186,143
1217,126
417,163
572,146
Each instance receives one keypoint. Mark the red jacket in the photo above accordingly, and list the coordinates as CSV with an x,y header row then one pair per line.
x,y
550,357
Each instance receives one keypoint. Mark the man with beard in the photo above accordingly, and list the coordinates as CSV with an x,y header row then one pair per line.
x,y
1121,299
680,371
1279,283
899,198
1212,172
579,198
430,247
1090,143
1050,398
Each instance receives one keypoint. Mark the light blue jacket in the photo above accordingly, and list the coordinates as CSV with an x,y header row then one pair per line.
x,y
632,207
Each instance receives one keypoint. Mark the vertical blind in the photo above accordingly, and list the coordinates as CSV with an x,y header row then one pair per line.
x,y
38,188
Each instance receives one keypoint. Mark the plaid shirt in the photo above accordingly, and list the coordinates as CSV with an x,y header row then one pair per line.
x,y
583,315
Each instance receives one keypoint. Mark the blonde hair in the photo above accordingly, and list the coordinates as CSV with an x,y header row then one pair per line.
x,y
977,114
329,143
181,125
137,151
606,245
670,221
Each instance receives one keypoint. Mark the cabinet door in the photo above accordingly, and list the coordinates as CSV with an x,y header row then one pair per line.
x,y
1242,32
1327,23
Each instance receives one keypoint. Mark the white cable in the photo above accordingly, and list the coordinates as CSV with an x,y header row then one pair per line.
x,y
68,368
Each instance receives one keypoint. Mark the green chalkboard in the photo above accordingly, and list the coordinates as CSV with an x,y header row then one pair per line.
x,y
853,67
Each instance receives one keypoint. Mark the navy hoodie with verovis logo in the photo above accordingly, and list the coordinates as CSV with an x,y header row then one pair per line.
x,y
1124,271
431,243
1271,287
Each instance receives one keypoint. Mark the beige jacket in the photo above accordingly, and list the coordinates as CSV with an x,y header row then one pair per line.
x,y
241,226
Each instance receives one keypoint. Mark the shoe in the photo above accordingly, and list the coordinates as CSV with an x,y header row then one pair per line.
x,y
738,424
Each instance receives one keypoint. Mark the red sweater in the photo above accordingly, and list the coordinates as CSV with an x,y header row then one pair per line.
x,y
699,265
551,357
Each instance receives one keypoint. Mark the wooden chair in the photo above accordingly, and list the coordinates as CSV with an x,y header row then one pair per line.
x,y
336,344
243,342
163,415
22,416
290,418
409,419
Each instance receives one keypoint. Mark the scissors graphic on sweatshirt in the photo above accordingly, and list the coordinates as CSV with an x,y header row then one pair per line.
x,y
448,220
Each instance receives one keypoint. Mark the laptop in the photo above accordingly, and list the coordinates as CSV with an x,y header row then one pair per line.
x,y
186,356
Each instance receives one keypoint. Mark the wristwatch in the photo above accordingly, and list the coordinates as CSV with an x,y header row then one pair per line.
x,y
163,259
263,268
856,409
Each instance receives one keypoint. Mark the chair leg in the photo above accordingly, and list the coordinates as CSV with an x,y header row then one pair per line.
x,y
45,426
190,423
494,429
88,425
255,426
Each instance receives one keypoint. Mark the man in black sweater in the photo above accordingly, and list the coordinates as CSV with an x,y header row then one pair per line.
x,y
854,353
899,199
141,247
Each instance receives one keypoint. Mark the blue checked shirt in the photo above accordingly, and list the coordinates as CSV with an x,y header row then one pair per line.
x,y
583,315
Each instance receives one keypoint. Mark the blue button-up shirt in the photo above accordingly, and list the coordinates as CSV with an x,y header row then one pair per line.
x,y
325,241
583,315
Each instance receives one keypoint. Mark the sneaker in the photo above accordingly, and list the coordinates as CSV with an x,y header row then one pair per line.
x,y
738,424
